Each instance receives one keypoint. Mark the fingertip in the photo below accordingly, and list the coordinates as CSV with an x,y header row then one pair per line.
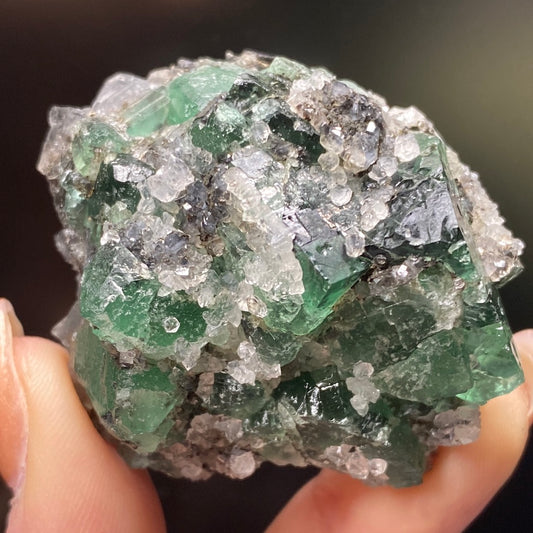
x,y
524,336
74,480
7,309
13,408
523,341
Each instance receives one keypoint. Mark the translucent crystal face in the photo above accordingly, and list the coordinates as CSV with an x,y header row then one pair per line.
x,y
276,265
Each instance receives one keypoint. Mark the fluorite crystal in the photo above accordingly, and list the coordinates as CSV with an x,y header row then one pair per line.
x,y
276,265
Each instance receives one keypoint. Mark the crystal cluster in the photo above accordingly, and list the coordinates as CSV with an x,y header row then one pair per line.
x,y
276,265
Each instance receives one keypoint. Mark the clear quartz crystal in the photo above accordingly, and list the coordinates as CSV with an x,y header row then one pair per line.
x,y
364,392
118,91
276,265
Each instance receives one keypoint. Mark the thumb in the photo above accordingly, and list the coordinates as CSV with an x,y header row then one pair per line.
x,y
64,476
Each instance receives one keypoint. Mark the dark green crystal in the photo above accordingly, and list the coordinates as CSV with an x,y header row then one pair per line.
x,y
217,133
187,312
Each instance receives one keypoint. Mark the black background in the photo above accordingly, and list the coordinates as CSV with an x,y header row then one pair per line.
x,y
468,64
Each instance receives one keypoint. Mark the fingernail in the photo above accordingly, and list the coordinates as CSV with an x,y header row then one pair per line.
x,y
523,341
16,326
13,408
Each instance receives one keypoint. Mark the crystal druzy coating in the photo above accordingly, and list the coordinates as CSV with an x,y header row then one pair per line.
x,y
276,265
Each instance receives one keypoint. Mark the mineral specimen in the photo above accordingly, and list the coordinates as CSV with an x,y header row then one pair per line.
x,y
276,265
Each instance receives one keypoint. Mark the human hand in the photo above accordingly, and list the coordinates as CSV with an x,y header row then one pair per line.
x,y
66,478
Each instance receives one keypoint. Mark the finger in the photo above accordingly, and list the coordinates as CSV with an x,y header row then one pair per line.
x,y
13,410
70,479
523,340
16,326
462,481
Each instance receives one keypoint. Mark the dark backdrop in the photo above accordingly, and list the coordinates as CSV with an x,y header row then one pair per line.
x,y
468,64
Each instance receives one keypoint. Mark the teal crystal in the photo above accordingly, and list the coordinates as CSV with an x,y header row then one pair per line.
x,y
275,265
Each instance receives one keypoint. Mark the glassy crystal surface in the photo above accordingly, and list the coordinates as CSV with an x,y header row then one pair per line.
x,y
275,265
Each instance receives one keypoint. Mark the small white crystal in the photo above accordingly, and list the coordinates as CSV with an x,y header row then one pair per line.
x,y
241,464
406,147
340,195
256,307
118,91
259,132
377,467
456,426
171,324
240,372
329,161
364,391
354,244
170,180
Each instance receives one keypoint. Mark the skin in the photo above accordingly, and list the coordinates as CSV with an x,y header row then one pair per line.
x,y
66,478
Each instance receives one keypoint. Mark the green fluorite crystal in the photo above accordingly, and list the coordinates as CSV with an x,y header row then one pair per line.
x,y
276,265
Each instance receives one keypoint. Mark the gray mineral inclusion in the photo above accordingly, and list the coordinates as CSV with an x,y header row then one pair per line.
x,y
276,265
